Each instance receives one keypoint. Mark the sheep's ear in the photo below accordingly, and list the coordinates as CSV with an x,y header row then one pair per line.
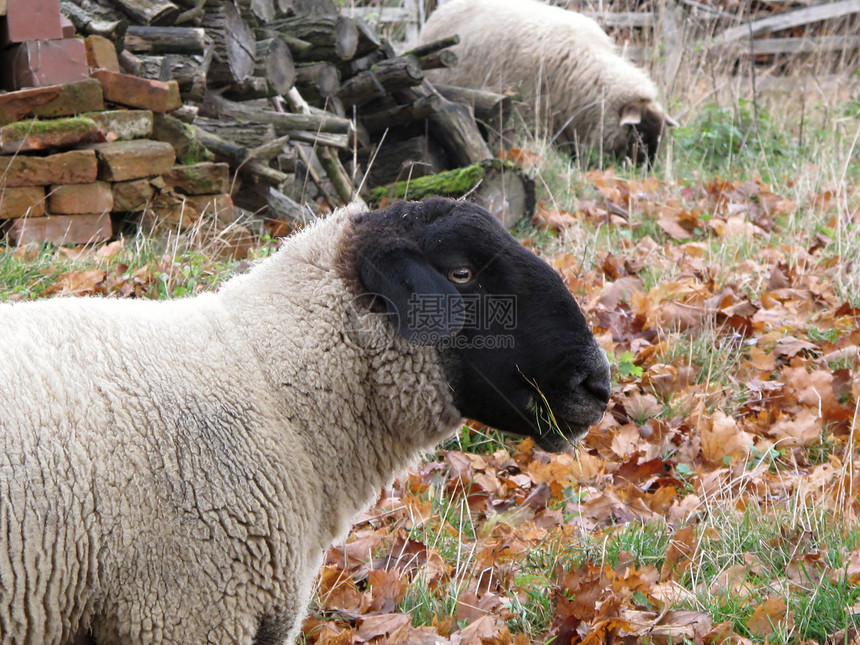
x,y
631,114
421,303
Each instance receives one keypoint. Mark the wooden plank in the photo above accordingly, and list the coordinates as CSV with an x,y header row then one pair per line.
x,y
629,19
788,20
385,15
804,45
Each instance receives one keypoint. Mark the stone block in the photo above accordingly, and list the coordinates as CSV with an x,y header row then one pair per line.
x,y
199,179
67,27
40,135
158,96
36,63
30,20
135,195
79,199
61,229
22,202
72,167
52,101
124,160
218,206
101,53
123,124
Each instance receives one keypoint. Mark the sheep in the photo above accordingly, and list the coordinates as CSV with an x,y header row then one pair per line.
x,y
172,471
560,61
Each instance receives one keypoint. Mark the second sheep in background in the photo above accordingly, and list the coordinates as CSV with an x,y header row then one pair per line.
x,y
560,61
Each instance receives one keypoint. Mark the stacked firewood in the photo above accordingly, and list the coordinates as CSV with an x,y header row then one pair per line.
x,y
308,106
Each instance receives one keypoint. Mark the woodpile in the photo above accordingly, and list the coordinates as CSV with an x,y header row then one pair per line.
x,y
303,108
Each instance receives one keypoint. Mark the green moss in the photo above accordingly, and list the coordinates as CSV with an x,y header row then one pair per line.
x,y
72,125
452,183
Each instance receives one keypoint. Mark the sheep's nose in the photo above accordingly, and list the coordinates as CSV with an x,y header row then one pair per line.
x,y
598,382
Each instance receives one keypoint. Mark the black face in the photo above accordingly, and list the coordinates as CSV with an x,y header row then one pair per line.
x,y
643,140
517,351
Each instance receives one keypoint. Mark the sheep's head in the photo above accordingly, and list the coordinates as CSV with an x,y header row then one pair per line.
x,y
516,349
645,122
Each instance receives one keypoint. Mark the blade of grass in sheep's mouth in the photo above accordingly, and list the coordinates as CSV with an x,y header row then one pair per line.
x,y
550,419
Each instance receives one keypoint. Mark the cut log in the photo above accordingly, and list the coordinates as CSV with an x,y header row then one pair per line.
x,y
182,137
332,37
419,109
253,87
340,141
185,70
488,107
435,46
262,10
150,12
368,39
250,135
237,157
215,106
309,7
436,60
283,207
274,62
363,63
313,166
88,24
337,175
384,78
499,186
165,40
317,81
233,44
402,160
453,125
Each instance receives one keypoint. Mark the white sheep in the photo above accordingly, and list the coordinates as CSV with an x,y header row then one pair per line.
x,y
170,472
562,64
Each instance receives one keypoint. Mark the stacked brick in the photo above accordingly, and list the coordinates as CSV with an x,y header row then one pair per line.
x,y
75,139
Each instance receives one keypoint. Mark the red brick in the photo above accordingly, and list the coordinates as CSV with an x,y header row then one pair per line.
x,y
38,135
101,53
123,160
20,202
78,199
61,229
72,167
37,63
158,96
134,195
67,27
52,100
123,124
31,20
200,178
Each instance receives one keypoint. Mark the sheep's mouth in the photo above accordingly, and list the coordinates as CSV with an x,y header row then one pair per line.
x,y
561,437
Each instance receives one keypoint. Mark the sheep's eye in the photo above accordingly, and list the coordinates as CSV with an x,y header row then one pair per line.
x,y
460,275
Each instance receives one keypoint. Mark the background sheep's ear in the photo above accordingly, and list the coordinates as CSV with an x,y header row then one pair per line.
x,y
421,303
631,114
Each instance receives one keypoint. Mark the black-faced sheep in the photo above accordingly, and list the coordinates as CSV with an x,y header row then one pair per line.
x,y
559,61
170,472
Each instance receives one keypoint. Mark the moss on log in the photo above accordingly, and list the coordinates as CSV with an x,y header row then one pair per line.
x,y
499,186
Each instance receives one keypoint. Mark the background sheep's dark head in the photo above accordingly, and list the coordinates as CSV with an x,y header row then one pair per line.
x,y
646,122
516,349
